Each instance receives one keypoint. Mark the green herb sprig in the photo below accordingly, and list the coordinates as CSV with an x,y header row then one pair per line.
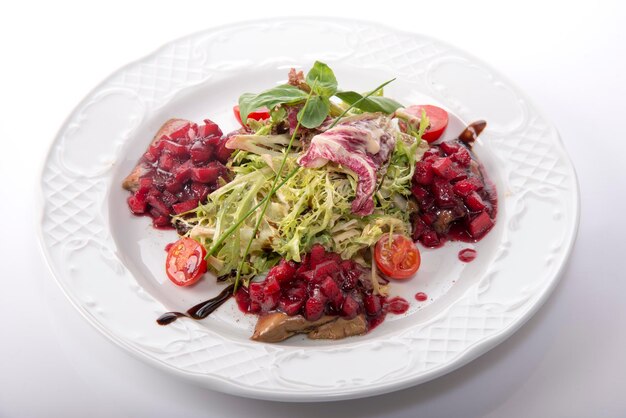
x,y
323,85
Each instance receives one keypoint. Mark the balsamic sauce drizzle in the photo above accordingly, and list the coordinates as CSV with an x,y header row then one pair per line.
x,y
199,311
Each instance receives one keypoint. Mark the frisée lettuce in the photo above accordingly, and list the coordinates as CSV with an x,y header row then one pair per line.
x,y
348,184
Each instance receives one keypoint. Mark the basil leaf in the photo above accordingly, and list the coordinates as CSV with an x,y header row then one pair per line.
x,y
283,94
370,104
322,79
385,104
278,114
315,112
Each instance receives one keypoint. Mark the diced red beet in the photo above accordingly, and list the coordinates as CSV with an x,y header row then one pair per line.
x,y
349,279
255,307
159,179
306,274
430,239
176,149
432,152
223,153
199,190
183,172
154,151
462,156
458,174
324,269
180,132
313,308
449,147
284,272
168,198
444,167
154,192
145,183
420,193
209,128
423,173
204,174
137,206
419,227
428,218
330,289
290,306
474,202
158,205
192,133
243,299
465,187
151,156
270,303
185,206
201,152
209,173
271,286
297,292
316,255
347,265
480,225
372,304
350,307
444,194
172,185
266,301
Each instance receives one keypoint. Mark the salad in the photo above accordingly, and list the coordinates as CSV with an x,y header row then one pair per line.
x,y
311,209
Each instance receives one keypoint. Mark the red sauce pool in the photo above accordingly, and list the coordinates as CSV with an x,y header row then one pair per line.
x,y
421,296
397,305
467,255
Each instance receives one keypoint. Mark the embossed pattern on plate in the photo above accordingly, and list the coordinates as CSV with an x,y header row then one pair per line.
x,y
80,224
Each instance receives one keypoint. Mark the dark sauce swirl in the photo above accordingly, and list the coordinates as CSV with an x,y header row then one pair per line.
x,y
199,311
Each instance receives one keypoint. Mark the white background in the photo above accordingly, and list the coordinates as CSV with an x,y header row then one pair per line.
x,y
567,361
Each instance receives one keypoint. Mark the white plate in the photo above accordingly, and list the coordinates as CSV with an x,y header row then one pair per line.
x,y
110,264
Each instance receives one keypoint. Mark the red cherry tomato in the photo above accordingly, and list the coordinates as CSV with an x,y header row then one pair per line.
x,y
185,262
260,114
397,258
437,118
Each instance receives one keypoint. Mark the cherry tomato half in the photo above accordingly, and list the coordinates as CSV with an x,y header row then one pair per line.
x,y
397,258
437,117
185,262
260,114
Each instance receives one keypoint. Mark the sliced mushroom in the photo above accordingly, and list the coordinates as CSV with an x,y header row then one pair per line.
x,y
277,326
340,328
